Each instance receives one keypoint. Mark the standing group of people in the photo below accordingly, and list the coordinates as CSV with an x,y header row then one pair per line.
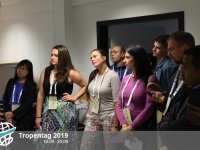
x,y
125,95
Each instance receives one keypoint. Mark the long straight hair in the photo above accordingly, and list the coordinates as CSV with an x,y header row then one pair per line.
x,y
64,63
142,64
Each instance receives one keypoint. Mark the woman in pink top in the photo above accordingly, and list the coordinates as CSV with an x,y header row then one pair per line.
x,y
135,108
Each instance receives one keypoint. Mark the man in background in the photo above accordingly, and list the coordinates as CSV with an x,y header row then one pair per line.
x,y
165,67
185,115
117,54
178,42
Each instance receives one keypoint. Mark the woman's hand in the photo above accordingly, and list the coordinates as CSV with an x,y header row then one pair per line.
x,y
68,97
113,129
126,128
9,120
38,122
158,96
8,115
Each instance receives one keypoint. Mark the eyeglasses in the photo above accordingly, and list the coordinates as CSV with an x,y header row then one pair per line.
x,y
22,68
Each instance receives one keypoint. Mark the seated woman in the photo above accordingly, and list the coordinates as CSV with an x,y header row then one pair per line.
x,y
18,98
135,107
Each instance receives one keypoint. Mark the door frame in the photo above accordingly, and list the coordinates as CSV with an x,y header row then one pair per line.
x,y
102,26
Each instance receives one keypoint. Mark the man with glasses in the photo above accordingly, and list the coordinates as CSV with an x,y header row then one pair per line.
x,y
185,114
178,42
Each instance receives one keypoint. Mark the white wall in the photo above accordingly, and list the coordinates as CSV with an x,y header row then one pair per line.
x,y
34,26
69,31
87,15
29,29
71,41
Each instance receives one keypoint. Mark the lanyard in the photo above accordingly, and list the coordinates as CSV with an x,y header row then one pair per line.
x,y
120,71
177,89
51,84
95,81
174,82
175,92
125,72
13,95
130,97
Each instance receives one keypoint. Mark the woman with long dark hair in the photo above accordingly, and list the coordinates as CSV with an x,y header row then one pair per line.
x,y
55,89
18,98
135,106
103,89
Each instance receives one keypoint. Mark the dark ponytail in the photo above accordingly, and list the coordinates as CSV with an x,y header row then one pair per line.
x,y
94,72
91,77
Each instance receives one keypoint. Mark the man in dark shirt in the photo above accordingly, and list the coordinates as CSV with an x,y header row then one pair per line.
x,y
185,114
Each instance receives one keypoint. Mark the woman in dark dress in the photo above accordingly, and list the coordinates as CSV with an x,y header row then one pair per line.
x,y
18,98
55,88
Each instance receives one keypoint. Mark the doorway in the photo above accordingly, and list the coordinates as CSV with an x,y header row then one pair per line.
x,y
142,30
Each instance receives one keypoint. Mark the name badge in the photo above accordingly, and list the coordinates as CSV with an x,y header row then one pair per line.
x,y
52,102
127,115
15,106
95,106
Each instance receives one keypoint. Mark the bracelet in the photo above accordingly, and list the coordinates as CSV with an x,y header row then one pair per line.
x,y
38,117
